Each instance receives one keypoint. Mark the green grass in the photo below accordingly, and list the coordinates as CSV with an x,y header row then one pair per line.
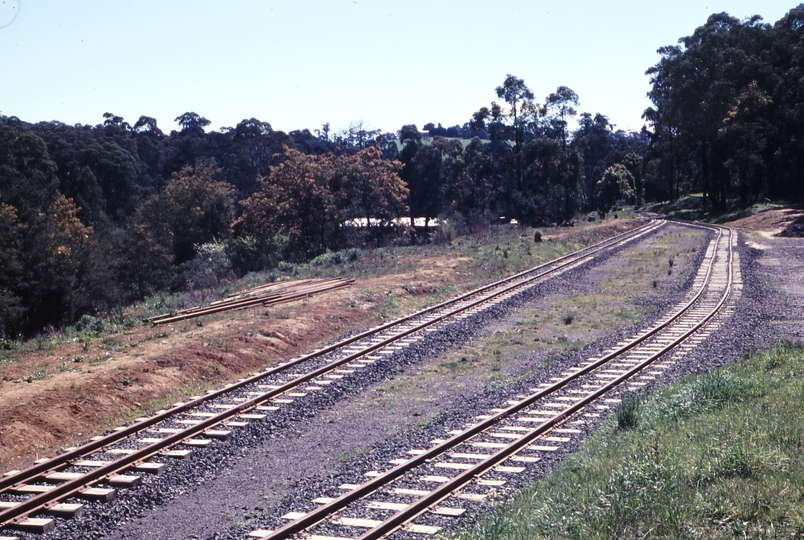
x,y
716,456
568,322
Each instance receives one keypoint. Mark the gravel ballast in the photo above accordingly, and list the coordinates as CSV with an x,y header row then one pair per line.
x,y
260,474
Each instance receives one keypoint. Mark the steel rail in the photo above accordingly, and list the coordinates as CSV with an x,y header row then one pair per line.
x,y
251,302
322,512
274,286
69,488
299,292
250,292
270,287
121,434
420,506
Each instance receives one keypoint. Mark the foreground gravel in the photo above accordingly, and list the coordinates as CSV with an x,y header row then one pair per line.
x,y
247,483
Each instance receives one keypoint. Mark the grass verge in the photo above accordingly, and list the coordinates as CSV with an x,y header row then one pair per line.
x,y
693,207
720,455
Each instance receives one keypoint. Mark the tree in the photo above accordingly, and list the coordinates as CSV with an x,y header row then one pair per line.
x,y
192,123
617,184
115,121
516,120
427,171
471,189
199,208
79,265
50,271
27,173
294,199
521,110
696,84
367,186
559,110
147,254
746,129
250,154
146,124
634,163
117,173
409,134
595,141
785,148
357,135
11,307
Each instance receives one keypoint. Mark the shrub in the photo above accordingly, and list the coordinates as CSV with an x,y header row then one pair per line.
x,y
446,232
209,266
628,414
339,257
88,322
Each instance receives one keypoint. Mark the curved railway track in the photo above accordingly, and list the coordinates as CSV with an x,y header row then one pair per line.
x,y
93,470
506,440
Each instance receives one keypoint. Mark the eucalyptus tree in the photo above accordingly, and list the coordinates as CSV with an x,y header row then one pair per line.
x,y
50,271
514,120
786,112
695,87
559,109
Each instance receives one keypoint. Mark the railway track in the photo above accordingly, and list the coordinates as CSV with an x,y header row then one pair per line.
x,y
271,294
93,471
427,485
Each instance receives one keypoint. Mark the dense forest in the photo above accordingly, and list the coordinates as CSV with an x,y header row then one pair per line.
x,y
93,217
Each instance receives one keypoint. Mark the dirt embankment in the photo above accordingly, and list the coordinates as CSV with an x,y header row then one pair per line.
x,y
151,365
65,393
781,221
98,384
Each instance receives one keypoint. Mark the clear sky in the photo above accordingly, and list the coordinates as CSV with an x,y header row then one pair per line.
x,y
300,63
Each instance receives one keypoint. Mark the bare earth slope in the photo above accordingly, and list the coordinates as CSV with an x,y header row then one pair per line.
x,y
58,394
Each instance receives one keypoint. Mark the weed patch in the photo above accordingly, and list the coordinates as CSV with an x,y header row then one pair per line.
x,y
628,414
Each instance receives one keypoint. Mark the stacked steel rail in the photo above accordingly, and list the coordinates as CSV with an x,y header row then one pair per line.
x,y
265,295
77,472
575,391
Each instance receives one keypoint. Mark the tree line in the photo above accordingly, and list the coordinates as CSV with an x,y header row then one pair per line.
x,y
93,217
728,112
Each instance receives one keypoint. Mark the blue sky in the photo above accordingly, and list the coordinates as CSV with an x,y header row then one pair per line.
x,y
298,64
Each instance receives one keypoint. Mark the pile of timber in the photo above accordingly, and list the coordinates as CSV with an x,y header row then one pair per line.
x,y
265,295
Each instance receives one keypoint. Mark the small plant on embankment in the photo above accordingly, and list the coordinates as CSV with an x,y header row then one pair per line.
x,y
720,455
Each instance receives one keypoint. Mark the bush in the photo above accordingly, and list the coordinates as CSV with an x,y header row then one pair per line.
x,y
252,254
628,414
339,257
246,255
88,322
209,266
446,231
615,188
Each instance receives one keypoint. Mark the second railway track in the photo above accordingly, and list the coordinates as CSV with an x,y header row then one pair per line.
x,y
93,470
427,485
